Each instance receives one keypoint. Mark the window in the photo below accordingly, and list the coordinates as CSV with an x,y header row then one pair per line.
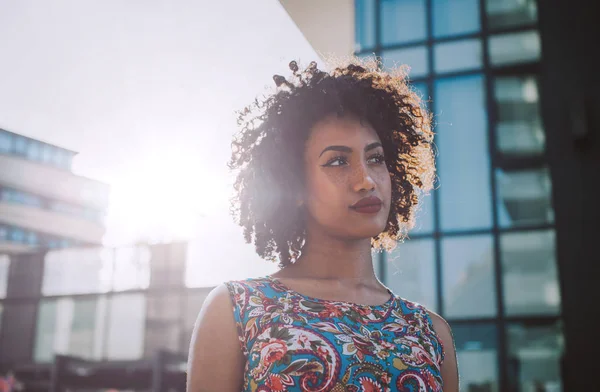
x,y
524,197
365,24
5,141
508,13
514,48
529,273
34,150
415,58
463,162
20,145
458,55
126,343
535,353
410,272
452,17
70,326
77,271
519,126
163,326
468,277
402,21
477,354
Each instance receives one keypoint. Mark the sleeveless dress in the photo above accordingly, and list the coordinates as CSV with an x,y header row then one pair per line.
x,y
293,342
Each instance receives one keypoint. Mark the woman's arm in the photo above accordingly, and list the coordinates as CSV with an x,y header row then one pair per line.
x,y
216,362
450,366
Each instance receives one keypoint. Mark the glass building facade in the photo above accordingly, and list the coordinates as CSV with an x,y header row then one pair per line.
x,y
483,252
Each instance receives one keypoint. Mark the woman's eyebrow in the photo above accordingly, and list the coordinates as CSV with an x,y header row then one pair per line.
x,y
336,148
372,146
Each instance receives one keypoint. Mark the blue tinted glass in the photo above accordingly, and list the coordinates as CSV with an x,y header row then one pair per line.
x,y
415,58
468,276
365,24
424,215
410,272
463,161
451,17
5,141
20,145
515,48
33,150
458,55
402,21
477,353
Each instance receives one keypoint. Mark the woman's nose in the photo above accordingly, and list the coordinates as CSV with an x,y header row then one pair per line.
x,y
362,180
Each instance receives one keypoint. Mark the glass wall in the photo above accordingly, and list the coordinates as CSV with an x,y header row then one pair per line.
x,y
482,253
34,150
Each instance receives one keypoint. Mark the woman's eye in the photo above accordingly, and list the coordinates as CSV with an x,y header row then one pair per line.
x,y
337,161
377,159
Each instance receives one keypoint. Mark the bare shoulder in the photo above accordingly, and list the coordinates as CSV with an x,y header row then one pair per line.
x,y
450,364
215,361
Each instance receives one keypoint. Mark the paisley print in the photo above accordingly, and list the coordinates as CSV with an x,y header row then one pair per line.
x,y
293,342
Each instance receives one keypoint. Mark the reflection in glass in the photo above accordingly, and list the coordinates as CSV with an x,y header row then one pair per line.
x,y
365,24
452,17
519,127
126,343
457,55
534,357
507,13
415,58
463,161
402,21
529,273
4,265
476,351
514,48
524,197
468,276
410,272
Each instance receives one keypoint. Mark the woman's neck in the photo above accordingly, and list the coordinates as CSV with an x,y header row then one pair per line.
x,y
326,257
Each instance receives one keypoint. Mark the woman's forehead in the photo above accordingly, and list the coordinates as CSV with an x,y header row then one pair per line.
x,y
342,130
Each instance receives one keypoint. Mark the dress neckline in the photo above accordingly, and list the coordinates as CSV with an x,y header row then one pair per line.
x,y
385,305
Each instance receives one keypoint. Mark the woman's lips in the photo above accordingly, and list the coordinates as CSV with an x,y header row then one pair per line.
x,y
368,205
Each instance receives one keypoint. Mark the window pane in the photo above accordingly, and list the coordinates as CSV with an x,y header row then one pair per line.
x,y
415,58
163,324
126,324
514,48
534,357
20,145
457,55
132,268
402,21
476,351
463,160
5,141
519,127
33,150
524,197
410,272
529,273
70,326
507,13
451,17
4,265
365,24
77,271
468,276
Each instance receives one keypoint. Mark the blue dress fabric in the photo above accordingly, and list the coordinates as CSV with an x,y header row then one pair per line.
x,y
293,342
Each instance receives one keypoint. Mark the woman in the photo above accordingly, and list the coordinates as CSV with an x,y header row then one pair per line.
x,y
329,166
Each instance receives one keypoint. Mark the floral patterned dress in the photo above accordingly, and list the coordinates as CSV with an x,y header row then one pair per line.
x,y
297,343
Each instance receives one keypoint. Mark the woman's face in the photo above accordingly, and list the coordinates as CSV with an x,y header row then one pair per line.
x,y
348,186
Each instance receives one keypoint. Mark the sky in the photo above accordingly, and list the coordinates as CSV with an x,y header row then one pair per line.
x,y
145,91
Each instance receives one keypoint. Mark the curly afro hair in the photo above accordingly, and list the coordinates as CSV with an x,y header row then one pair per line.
x,y
268,153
